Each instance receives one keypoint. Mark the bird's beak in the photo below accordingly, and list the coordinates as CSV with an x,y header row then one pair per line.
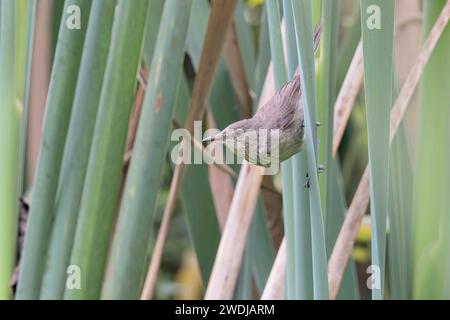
x,y
217,137
209,139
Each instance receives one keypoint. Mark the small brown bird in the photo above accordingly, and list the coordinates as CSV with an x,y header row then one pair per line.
x,y
276,129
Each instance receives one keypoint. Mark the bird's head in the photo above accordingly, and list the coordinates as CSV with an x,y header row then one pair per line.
x,y
240,137
232,132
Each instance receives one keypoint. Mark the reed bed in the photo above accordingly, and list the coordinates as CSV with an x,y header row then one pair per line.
x,y
111,209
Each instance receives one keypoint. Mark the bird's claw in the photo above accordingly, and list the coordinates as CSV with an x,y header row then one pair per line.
x,y
318,124
320,168
307,182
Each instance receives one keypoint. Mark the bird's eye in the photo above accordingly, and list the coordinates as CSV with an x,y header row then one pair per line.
x,y
239,132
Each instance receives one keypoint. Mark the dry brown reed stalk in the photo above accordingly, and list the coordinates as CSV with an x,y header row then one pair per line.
x,y
39,83
346,238
347,95
342,109
227,264
219,20
226,267
235,66
221,184
344,243
408,39
274,288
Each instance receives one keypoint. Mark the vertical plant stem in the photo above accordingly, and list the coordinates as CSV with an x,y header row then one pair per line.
x,y
344,243
26,92
326,95
129,257
57,115
431,210
377,23
280,78
9,139
77,148
299,247
103,175
303,28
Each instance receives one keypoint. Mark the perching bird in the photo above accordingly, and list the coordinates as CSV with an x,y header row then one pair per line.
x,y
281,118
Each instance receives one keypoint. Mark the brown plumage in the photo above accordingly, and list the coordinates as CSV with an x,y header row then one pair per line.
x,y
281,118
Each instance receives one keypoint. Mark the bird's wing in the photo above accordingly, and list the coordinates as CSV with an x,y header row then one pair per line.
x,y
279,111
288,97
290,100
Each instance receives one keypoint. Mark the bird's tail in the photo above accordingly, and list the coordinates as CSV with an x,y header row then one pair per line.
x,y
316,36
316,41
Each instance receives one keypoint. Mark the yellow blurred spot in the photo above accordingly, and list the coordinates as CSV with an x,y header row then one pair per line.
x,y
361,251
254,3
188,278
360,254
363,234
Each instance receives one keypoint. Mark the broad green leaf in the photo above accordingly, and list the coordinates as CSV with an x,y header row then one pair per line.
x,y
56,122
9,139
377,23
326,95
77,147
103,175
431,210
303,27
128,261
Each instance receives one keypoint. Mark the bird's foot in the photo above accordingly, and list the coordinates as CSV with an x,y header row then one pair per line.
x,y
307,182
320,168
318,124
